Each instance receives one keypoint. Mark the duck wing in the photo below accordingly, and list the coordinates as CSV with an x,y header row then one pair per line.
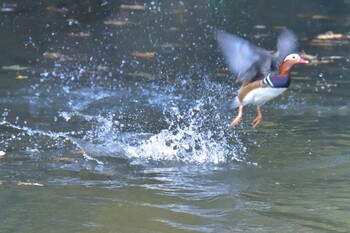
x,y
287,43
244,59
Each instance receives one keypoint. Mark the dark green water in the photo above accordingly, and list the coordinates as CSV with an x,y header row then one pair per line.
x,y
126,142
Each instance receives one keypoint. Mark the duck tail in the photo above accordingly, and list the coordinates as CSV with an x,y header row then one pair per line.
x,y
231,104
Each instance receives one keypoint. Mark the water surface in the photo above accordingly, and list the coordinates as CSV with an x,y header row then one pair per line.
x,y
116,112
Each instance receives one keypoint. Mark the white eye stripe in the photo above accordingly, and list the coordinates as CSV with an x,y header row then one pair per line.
x,y
292,56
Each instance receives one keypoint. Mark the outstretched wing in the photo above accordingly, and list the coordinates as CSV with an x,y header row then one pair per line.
x,y
287,43
244,59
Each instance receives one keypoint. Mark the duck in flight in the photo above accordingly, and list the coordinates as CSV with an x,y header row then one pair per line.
x,y
263,75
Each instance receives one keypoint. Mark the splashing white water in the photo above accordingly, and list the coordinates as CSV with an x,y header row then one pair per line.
x,y
186,140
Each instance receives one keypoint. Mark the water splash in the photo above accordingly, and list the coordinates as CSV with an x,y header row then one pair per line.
x,y
188,128
186,140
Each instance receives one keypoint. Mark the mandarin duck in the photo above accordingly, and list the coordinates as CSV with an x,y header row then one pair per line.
x,y
264,75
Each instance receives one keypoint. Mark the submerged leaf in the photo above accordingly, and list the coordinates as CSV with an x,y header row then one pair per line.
x,y
115,22
80,34
15,67
313,59
141,75
330,36
144,54
56,9
21,77
29,184
132,7
63,159
58,55
330,39
320,17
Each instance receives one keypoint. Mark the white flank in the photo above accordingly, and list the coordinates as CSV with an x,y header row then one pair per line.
x,y
260,96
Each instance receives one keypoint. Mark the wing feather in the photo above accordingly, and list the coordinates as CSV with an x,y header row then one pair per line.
x,y
244,59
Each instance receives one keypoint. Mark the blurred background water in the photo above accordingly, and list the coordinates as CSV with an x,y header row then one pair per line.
x,y
111,121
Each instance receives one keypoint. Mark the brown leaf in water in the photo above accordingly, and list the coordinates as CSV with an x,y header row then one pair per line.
x,y
58,55
330,36
144,54
53,55
320,17
56,9
1,182
80,34
63,159
21,77
132,7
141,75
306,56
115,22
2,154
313,59
79,152
29,184
315,17
326,85
15,67
303,15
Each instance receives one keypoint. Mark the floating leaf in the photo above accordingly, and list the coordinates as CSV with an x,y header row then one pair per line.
x,y
15,67
1,182
58,55
53,55
141,75
320,17
80,34
326,85
313,60
306,56
315,17
80,152
2,154
21,77
144,54
132,7
115,22
29,184
63,159
330,36
56,9
323,43
330,39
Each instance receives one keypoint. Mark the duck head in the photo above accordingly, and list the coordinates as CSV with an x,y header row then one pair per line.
x,y
289,61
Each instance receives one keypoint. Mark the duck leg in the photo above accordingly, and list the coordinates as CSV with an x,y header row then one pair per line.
x,y
239,116
258,118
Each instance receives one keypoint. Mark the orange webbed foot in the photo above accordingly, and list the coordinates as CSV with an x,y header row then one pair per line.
x,y
239,116
258,118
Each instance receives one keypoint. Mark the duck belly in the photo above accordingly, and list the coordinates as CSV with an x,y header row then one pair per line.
x,y
260,96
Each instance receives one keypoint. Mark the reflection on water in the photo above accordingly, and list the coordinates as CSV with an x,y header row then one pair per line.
x,y
116,110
